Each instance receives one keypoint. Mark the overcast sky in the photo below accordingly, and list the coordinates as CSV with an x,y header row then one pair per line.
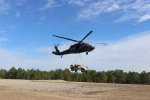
x,y
26,27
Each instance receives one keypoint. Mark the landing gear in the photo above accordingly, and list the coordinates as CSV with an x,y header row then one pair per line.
x,y
86,53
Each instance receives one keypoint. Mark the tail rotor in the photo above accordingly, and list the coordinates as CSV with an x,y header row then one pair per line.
x,y
56,51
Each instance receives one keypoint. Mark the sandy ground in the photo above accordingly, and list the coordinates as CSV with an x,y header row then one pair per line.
x,y
62,90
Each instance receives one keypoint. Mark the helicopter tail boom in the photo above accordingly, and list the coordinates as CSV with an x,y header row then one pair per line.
x,y
56,52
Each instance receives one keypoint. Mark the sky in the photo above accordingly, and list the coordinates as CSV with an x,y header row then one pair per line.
x,y
27,26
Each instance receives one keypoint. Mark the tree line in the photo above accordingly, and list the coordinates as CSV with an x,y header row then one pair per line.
x,y
114,76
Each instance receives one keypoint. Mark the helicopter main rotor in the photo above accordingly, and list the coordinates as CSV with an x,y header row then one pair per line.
x,y
73,39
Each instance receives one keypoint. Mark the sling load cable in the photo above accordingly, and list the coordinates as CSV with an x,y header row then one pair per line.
x,y
82,61
75,60
78,60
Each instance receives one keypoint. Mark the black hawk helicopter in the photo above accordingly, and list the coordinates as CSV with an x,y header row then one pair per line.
x,y
78,47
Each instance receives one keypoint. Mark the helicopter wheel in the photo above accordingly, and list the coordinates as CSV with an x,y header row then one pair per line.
x,y
86,53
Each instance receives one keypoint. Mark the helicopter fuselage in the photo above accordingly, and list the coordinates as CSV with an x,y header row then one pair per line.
x,y
76,48
79,47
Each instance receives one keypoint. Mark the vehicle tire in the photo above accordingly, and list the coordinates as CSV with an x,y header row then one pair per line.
x,y
85,71
72,68
82,70
76,70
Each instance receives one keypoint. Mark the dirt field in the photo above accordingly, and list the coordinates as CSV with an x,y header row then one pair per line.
x,y
62,90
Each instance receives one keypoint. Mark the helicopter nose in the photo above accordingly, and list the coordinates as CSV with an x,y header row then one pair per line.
x,y
92,48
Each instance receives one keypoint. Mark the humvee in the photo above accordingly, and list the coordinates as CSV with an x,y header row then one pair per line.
x,y
76,67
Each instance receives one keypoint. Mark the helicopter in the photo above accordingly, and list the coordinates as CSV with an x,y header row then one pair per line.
x,y
78,47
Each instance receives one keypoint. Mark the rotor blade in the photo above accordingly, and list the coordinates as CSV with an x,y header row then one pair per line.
x,y
102,43
65,38
86,36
